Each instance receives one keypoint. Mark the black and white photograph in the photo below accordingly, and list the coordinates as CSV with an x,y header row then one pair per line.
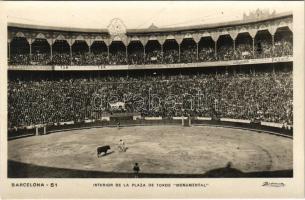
x,y
146,90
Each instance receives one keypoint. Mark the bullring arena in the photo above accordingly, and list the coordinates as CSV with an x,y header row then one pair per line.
x,y
204,151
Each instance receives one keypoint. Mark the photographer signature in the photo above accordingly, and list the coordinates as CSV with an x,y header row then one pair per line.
x,y
272,184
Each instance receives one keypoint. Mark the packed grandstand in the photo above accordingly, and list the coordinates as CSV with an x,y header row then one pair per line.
x,y
237,70
170,52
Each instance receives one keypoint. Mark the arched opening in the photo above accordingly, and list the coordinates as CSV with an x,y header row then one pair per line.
x,y
153,52
283,42
20,51
225,50
61,53
188,51
171,52
80,53
41,51
243,46
135,53
117,52
99,53
263,44
206,49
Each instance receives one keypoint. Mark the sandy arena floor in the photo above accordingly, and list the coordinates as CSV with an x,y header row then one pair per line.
x,y
157,149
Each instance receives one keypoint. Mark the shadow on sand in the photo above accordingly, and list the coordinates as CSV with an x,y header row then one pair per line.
x,y
23,170
106,154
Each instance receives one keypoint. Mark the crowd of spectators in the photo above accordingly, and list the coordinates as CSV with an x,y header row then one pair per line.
x,y
244,51
40,58
207,54
153,57
188,55
225,52
263,49
118,58
283,48
61,59
136,58
266,96
171,56
19,59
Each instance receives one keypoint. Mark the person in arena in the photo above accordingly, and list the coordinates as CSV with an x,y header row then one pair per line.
x,y
122,146
136,170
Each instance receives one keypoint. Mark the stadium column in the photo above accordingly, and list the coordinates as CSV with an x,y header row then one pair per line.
x,y
126,53
9,49
215,37
71,42
252,33
272,30
197,38
30,40
161,40
89,42
50,42
253,47
108,58
162,52
70,54
89,47
215,49
108,42
9,40
179,49
126,41
70,49
51,52
272,42
197,51
234,35
179,39
144,41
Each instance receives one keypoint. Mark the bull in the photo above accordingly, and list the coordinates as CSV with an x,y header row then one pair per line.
x,y
102,149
